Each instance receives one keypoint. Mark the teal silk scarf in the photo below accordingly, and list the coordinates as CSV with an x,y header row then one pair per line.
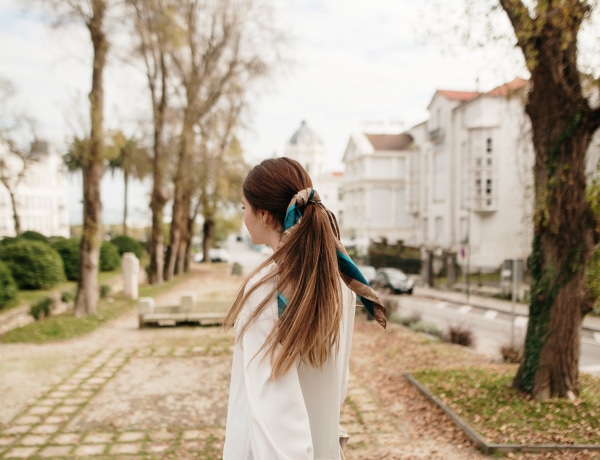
x,y
349,272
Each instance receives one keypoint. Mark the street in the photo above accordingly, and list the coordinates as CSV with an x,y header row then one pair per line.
x,y
491,328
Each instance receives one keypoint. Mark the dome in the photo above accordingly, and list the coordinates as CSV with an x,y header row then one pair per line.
x,y
305,136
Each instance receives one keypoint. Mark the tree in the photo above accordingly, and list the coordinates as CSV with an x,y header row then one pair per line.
x,y
131,159
93,14
154,31
19,149
15,162
563,123
219,54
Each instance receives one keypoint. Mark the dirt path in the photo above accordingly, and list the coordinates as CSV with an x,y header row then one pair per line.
x,y
125,392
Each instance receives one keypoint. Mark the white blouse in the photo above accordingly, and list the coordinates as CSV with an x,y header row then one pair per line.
x,y
296,416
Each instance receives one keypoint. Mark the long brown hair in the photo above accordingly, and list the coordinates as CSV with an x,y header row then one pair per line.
x,y
307,270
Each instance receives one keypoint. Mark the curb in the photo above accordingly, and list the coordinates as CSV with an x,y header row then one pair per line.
x,y
440,296
491,448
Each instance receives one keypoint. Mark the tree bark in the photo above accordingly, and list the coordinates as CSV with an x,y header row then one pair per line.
x,y
158,199
564,225
93,170
125,199
16,218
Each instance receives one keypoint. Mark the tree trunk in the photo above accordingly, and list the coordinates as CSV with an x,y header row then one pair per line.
x,y
16,218
181,180
87,288
185,236
158,199
125,199
564,236
207,237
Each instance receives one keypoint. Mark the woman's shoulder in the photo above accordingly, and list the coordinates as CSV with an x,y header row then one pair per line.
x,y
261,274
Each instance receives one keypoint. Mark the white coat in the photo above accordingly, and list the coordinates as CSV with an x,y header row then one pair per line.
x,y
296,416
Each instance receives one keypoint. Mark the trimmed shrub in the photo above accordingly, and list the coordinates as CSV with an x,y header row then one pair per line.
x,y
109,257
104,290
460,335
126,243
8,286
34,236
69,249
33,264
42,308
67,296
511,354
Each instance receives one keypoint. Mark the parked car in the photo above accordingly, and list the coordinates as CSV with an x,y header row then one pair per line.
x,y
393,280
368,272
216,255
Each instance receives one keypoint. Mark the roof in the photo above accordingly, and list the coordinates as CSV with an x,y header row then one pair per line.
x,y
305,136
458,95
390,141
507,88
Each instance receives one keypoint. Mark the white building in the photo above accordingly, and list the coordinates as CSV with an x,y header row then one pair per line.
x,y
375,189
41,195
471,181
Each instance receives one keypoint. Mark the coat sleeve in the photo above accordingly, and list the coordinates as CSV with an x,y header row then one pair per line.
x,y
279,424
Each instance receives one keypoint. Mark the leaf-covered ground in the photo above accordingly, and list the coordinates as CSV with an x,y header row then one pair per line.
x,y
475,388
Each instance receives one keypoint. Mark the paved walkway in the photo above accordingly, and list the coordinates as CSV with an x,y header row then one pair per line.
x,y
161,393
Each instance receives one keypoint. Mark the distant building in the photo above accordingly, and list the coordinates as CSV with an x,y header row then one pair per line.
x,y
375,189
41,195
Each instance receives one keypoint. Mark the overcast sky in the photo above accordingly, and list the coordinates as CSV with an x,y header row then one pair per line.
x,y
355,63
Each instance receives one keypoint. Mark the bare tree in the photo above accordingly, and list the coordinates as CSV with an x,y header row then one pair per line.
x,y
92,14
16,159
218,53
155,32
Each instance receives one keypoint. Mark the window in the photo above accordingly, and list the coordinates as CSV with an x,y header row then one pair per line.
x,y
488,187
439,176
488,143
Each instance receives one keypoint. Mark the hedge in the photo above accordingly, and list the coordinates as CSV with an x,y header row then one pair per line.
x,y
33,264
8,286
126,243
69,249
109,257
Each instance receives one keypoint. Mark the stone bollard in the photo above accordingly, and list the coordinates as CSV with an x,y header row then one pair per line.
x,y
145,306
236,269
188,302
130,268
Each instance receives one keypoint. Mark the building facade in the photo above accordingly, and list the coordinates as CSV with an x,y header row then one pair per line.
x,y
41,195
375,189
471,180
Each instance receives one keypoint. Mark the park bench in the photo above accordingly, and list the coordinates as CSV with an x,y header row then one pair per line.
x,y
188,311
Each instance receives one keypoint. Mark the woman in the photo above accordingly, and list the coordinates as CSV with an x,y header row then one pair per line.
x,y
293,322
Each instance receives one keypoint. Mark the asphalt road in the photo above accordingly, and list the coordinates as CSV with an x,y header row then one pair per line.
x,y
491,328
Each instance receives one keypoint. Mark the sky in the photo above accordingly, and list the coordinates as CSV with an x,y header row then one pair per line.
x,y
356,66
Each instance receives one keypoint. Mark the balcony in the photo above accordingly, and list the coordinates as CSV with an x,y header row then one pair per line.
x,y
436,135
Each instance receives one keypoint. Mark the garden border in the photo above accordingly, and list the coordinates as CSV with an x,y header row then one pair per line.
x,y
482,444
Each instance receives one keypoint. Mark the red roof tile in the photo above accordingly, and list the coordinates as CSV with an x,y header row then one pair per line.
x,y
390,141
458,95
507,88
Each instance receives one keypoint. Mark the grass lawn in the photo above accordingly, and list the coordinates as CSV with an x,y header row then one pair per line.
x,y
483,397
67,326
